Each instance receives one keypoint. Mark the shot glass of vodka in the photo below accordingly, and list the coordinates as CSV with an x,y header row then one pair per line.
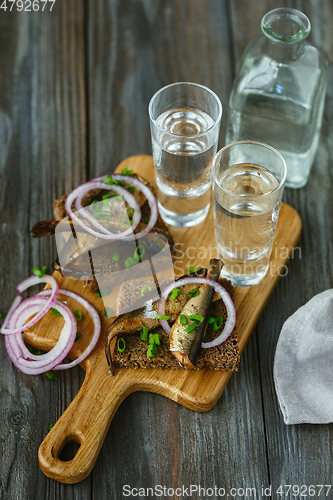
x,y
185,122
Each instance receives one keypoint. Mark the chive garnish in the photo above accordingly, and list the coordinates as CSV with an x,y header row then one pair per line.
x,y
194,293
50,426
121,349
55,312
192,269
131,189
157,339
93,203
146,220
190,328
116,256
175,293
218,323
144,334
1,314
105,292
108,180
196,317
211,320
130,212
138,256
77,315
151,339
98,294
35,351
78,336
103,215
108,312
127,172
148,288
152,351
161,246
183,320
50,375
127,224
162,316
105,198
130,261
39,272
119,183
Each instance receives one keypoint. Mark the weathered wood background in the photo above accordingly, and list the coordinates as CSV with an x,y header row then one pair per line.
x,y
74,89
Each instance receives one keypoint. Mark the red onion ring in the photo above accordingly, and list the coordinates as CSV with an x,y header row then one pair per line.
x,y
128,234
48,361
79,193
33,280
97,327
231,319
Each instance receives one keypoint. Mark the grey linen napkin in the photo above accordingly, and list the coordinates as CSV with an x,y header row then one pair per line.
x,y
303,365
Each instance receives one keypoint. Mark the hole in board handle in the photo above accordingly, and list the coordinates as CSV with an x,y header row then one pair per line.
x,y
68,448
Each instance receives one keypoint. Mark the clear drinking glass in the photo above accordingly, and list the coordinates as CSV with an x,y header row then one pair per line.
x,y
185,122
248,182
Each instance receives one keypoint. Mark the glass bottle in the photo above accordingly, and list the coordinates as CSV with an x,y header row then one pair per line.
x,y
279,92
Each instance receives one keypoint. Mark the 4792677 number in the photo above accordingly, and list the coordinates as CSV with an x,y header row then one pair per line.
x,y
27,5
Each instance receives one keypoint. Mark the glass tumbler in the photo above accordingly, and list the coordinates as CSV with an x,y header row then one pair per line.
x,y
248,182
185,122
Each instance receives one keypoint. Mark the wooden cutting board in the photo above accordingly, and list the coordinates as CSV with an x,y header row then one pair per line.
x,y
88,417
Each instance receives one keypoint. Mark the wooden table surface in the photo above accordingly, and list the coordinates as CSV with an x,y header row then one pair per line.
x,y
74,89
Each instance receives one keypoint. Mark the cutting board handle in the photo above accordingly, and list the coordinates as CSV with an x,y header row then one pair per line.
x,y
86,422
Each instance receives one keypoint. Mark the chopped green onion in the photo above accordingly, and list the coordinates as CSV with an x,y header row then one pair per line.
x,y
106,197
194,293
131,189
151,339
121,349
161,246
196,317
175,293
108,180
1,314
157,339
152,351
190,328
144,334
119,183
127,224
148,288
183,320
130,212
78,336
162,316
77,315
211,321
93,203
130,261
138,256
35,351
103,215
55,312
50,375
116,256
146,220
127,172
39,272
98,294
50,426
192,269
218,323
105,292
108,312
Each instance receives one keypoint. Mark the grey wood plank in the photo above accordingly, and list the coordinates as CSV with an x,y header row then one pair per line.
x,y
42,134
136,47
297,454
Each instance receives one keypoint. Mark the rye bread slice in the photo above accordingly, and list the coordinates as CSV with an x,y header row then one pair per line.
x,y
224,357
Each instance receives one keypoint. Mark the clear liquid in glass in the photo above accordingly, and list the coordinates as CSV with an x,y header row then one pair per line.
x,y
244,228
182,162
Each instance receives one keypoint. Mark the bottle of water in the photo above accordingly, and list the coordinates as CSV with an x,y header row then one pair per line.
x,y
279,92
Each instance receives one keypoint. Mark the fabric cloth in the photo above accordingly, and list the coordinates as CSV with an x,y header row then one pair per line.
x,y
303,365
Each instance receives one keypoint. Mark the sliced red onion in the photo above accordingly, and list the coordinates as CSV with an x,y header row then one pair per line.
x,y
231,319
97,327
33,280
79,192
48,361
